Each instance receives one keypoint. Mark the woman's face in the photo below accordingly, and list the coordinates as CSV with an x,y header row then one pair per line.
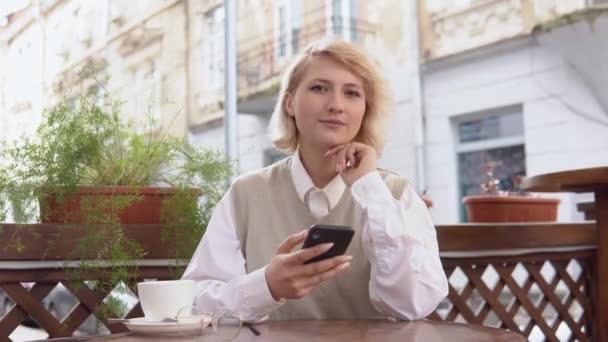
x,y
328,105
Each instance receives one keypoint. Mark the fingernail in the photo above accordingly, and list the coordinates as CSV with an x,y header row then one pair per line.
x,y
348,257
327,246
338,168
343,266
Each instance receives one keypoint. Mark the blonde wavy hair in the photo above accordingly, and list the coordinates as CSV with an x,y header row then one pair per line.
x,y
373,131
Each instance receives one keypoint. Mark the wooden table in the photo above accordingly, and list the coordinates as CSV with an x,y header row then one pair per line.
x,y
336,331
586,180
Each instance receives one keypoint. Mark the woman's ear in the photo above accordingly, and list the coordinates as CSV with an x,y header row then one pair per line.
x,y
289,104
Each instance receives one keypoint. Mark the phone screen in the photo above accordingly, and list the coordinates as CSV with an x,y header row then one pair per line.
x,y
339,235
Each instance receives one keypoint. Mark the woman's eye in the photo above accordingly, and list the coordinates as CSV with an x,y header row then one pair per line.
x,y
353,93
318,87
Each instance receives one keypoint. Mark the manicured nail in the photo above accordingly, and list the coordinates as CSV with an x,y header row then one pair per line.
x,y
338,168
343,266
327,246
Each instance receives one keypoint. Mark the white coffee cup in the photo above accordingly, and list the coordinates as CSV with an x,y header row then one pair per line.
x,y
163,299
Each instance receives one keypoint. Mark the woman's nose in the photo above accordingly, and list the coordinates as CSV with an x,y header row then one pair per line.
x,y
336,104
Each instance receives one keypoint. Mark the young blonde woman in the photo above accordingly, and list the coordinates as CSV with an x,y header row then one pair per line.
x,y
331,116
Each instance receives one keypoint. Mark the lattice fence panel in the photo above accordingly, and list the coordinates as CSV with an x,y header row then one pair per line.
x,y
541,296
27,301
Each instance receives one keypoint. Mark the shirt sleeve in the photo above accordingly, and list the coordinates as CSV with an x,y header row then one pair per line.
x,y
407,280
218,267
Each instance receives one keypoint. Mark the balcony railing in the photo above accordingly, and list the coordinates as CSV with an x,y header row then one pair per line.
x,y
535,279
261,60
479,23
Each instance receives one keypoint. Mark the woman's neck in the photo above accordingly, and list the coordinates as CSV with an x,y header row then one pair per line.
x,y
321,169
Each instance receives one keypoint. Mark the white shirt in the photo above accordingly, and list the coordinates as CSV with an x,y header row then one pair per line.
x,y
407,280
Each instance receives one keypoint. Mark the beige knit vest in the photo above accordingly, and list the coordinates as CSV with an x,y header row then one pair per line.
x,y
268,210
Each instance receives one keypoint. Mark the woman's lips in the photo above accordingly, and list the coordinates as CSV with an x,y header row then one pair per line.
x,y
332,123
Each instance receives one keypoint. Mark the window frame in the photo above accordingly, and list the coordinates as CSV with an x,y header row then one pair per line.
x,y
212,49
484,144
346,11
293,16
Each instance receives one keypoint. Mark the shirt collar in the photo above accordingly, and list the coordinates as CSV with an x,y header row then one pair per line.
x,y
303,184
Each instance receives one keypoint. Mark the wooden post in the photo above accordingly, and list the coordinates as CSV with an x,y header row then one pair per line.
x,y
601,316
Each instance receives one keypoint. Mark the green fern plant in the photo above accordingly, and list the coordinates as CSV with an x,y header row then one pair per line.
x,y
84,140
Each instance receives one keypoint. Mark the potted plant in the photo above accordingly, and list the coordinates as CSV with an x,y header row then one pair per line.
x,y
87,166
515,205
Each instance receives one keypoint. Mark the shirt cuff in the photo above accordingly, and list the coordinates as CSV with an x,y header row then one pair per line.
x,y
370,190
257,297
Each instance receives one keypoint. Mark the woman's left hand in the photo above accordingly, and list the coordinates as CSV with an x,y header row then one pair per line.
x,y
353,160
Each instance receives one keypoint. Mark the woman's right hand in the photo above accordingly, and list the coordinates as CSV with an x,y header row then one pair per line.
x,y
287,275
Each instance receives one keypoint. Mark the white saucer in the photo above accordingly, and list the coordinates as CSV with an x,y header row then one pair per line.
x,y
142,326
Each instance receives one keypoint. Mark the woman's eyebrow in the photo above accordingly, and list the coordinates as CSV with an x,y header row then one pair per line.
x,y
326,81
322,80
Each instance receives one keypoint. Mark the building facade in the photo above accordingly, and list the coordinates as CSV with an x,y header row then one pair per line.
x,y
473,80
511,81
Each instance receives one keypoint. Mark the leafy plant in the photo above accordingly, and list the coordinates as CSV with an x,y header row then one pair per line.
x,y
84,140
491,185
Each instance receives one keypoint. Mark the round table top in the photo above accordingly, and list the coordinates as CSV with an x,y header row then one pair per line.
x,y
347,330
580,180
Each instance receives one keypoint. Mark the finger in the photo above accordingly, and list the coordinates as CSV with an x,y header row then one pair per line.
x,y
302,255
302,291
350,154
324,265
341,159
319,278
291,242
333,150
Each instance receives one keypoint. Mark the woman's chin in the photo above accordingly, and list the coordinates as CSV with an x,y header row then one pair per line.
x,y
333,140
329,144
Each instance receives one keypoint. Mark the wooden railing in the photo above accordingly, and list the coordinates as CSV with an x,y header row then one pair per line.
x,y
29,303
535,279
22,268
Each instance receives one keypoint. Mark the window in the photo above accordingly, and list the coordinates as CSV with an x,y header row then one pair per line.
x,y
496,136
353,20
282,31
343,19
295,26
147,99
336,18
152,79
287,23
213,50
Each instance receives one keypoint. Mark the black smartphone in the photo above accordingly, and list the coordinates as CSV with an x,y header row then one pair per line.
x,y
318,234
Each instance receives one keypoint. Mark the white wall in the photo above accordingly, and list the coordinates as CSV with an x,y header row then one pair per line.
x,y
21,92
252,139
521,73
209,136
399,155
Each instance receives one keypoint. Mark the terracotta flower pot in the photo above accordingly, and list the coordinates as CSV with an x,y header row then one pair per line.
x,y
482,209
144,204
62,242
